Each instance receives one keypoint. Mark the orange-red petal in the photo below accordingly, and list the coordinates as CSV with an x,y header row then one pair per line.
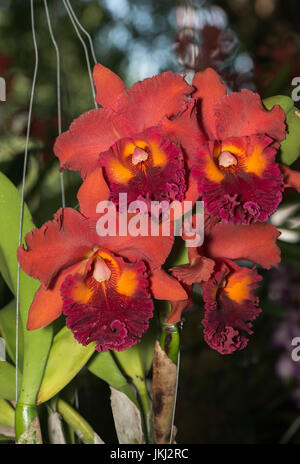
x,y
240,114
291,177
255,242
198,271
57,245
93,190
209,89
166,287
192,193
47,303
177,308
148,101
78,149
108,85
184,129
45,308
154,250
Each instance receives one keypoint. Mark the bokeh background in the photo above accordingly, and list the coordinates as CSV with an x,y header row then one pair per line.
x,y
251,396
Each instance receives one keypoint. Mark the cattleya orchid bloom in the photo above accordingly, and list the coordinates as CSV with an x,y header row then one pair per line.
x,y
228,289
162,140
230,306
136,143
237,175
103,285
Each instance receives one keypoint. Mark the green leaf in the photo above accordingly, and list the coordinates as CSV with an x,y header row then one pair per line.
x,y
66,358
7,414
9,232
8,381
8,331
286,103
78,424
290,147
133,366
136,361
104,366
36,343
11,145
4,438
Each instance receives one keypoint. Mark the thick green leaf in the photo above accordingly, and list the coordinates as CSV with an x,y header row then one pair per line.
x,y
66,358
104,366
78,424
286,103
8,331
290,147
4,438
9,231
137,360
7,414
36,343
133,366
7,381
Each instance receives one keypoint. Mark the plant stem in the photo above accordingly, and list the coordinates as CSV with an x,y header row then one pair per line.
x,y
78,423
143,397
165,380
131,364
27,424
170,340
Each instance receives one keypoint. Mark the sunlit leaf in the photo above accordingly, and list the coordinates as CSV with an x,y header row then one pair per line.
x,y
66,358
7,381
7,414
104,366
290,147
80,426
8,331
36,343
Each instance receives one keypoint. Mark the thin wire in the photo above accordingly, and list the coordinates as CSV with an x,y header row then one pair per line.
x,y
84,31
176,389
75,23
23,187
63,199
85,50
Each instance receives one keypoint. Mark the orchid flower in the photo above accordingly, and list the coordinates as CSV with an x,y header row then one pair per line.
x,y
228,288
103,285
136,143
